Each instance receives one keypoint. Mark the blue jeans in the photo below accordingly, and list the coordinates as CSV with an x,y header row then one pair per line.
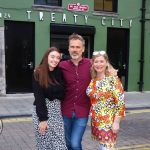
x,y
74,130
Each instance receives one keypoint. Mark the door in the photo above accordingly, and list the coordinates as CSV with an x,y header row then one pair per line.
x,y
19,56
59,37
118,52
59,41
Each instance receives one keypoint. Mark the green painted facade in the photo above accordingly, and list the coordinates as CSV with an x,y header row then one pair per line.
x,y
128,10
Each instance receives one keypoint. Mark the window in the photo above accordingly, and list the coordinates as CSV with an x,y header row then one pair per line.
x,y
48,2
106,5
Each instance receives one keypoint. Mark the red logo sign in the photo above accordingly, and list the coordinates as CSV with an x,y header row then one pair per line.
x,y
78,7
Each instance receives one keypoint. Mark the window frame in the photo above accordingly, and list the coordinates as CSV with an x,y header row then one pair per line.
x,y
114,7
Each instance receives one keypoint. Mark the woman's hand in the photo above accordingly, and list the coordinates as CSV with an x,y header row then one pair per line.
x,y
115,127
116,124
42,127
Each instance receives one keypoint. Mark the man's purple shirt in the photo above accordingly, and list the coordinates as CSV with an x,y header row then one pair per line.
x,y
77,78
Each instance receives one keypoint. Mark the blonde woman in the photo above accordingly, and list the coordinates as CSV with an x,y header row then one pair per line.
x,y
107,102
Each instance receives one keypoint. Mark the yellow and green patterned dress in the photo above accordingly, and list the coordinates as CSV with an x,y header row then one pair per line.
x,y
107,101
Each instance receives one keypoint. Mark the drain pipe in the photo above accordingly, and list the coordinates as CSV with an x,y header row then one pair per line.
x,y
143,10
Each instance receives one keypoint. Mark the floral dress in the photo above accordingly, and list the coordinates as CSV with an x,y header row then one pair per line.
x,y
107,101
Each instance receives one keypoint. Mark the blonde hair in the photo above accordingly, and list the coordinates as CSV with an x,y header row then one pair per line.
x,y
108,68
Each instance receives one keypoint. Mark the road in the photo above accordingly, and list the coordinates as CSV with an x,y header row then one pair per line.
x,y
18,133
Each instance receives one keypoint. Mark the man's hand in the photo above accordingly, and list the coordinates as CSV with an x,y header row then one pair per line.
x,y
113,71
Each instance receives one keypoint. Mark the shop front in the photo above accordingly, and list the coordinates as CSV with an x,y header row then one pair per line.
x,y
27,29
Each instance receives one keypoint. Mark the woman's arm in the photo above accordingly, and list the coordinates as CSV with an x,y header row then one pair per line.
x,y
119,100
40,102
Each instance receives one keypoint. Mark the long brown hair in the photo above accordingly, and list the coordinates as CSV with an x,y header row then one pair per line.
x,y
41,72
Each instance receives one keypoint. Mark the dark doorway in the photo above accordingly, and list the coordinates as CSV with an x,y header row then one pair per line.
x,y
118,52
19,56
59,37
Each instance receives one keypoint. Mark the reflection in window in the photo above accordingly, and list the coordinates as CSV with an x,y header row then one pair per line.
x,y
48,2
105,5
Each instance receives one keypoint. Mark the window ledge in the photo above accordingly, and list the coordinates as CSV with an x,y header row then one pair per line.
x,y
103,13
47,8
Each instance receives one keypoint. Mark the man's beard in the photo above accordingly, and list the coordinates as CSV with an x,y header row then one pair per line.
x,y
75,56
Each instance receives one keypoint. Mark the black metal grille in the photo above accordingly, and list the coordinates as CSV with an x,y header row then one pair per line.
x,y
48,2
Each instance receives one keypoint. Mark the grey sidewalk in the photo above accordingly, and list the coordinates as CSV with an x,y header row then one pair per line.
x,y
15,105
